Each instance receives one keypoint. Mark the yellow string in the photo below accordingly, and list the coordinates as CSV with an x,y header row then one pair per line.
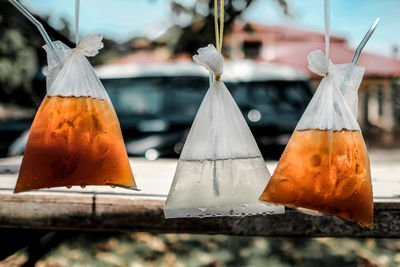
x,y
221,36
219,31
216,24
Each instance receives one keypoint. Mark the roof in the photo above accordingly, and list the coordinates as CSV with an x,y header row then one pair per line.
x,y
283,33
291,45
241,70
376,66
283,46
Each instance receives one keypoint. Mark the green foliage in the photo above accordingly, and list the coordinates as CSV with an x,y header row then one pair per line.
x,y
21,55
18,57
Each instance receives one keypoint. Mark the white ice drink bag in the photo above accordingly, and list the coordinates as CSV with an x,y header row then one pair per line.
x,y
221,171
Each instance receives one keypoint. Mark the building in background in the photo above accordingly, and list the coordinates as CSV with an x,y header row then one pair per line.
x,y
379,94
24,61
378,98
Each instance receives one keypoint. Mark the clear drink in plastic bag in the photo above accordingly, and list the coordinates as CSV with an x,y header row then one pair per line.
x,y
217,183
221,171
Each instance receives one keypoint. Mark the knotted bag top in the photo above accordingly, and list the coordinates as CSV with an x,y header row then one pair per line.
x,y
335,102
75,77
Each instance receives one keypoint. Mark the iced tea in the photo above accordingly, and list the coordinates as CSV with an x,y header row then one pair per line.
x,y
326,171
74,141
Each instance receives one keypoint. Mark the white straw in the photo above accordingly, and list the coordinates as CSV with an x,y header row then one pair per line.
x,y
364,41
35,22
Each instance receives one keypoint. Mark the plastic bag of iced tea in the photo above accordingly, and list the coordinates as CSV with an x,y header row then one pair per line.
x,y
325,166
75,138
221,171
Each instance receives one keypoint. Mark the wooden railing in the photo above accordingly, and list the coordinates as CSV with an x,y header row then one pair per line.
x,y
106,209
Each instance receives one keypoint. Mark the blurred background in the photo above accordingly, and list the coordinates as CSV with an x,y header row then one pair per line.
x,y
156,89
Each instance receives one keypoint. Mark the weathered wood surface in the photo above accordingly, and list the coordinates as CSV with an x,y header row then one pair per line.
x,y
123,213
107,209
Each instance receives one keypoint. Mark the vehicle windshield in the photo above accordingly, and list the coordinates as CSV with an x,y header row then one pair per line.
x,y
183,95
272,96
156,95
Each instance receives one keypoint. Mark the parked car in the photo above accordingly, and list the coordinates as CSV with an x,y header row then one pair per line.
x,y
156,103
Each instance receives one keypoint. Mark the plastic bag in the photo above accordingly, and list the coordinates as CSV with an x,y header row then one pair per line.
x,y
75,138
220,171
325,166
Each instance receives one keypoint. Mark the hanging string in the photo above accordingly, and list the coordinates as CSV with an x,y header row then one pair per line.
x,y
221,25
327,26
216,24
219,30
77,2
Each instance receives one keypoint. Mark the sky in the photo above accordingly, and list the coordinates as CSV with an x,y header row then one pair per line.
x,y
122,19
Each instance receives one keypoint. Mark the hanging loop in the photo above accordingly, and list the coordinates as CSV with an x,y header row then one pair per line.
x,y
77,4
219,30
327,17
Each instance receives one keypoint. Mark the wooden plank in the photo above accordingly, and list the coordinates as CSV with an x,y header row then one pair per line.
x,y
155,177
126,213
104,208
42,211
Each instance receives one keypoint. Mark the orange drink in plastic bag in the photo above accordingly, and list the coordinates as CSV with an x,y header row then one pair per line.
x,y
75,138
326,171
74,141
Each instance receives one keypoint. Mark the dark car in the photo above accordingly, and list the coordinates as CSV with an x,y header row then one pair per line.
x,y
156,103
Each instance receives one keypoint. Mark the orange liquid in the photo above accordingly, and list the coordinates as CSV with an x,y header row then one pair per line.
x,y
74,141
325,171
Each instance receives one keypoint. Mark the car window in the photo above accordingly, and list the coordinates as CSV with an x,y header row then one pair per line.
x,y
183,95
278,96
187,94
137,96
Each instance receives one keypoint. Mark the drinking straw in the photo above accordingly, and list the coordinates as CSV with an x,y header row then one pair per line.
x,y
40,27
364,41
358,52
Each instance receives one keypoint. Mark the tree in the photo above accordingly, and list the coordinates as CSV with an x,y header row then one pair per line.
x,y
22,57
198,33
18,57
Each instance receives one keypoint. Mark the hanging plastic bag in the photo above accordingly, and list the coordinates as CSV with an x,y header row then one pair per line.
x,y
325,166
75,138
221,171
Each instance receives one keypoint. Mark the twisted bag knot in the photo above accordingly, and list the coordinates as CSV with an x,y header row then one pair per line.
x,y
318,63
211,59
91,45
